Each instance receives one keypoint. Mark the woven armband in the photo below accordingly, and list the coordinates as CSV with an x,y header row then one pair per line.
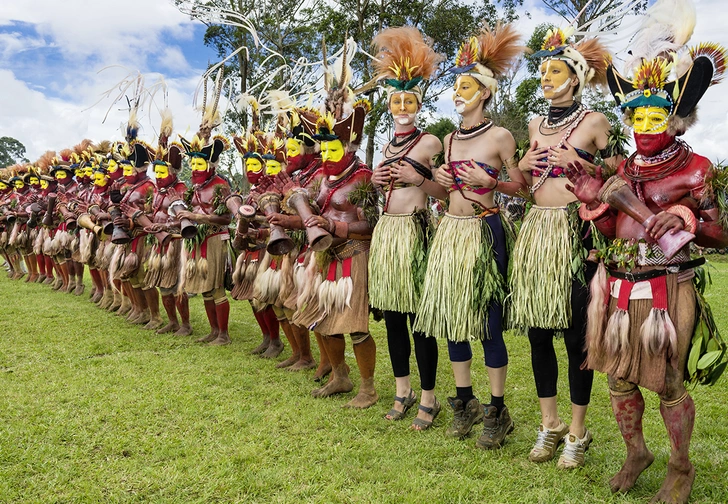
x,y
590,215
688,217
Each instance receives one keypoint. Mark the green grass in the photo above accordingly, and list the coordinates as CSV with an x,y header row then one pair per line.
x,y
95,410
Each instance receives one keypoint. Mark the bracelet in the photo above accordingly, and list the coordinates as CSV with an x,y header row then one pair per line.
x,y
423,181
689,221
590,215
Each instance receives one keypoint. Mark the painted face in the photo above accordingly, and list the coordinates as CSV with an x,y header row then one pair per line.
x,y
467,93
128,170
88,172
272,167
100,179
403,107
293,148
61,175
43,184
198,164
332,151
161,171
253,165
113,166
34,181
3,186
19,184
78,172
556,78
649,120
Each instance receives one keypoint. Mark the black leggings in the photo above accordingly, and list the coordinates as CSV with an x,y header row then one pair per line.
x,y
400,349
543,356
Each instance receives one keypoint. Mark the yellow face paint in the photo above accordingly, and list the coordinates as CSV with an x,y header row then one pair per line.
x,y
198,164
128,170
403,103
467,93
253,165
34,181
649,120
78,172
332,150
272,167
88,171
555,78
60,175
113,166
293,147
100,179
43,184
161,171
19,184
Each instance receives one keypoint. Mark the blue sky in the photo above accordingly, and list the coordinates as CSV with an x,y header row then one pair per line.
x,y
52,54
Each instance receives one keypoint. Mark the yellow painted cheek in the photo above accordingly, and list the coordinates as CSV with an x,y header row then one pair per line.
x,y
293,148
99,179
649,120
113,166
332,151
198,164
128,170
161,172
19,185
253,165
466,87
43,184
272,167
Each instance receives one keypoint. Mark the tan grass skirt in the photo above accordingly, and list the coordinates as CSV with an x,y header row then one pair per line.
x,y
541,276
391,276
354,317
163,265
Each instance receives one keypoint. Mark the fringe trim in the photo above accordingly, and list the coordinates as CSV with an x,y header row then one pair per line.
x,y
616,341
335,296
658,333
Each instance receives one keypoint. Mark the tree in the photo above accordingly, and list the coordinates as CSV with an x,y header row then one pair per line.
x,y
11,152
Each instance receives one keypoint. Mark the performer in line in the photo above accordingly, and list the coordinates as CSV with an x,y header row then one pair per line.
x,y
465,284
642,320
397,259
550,272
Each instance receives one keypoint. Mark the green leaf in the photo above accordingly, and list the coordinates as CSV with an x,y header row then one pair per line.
x,y
713,346
715,374
709,359
693,359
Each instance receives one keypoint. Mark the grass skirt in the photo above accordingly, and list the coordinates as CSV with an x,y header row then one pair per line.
x,y
462,280
163,265
206,272
541,274
396,250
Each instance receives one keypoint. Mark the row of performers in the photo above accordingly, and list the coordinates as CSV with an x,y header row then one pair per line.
x,y
310,251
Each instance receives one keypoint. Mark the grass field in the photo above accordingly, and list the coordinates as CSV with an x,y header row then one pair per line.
x,y
95,410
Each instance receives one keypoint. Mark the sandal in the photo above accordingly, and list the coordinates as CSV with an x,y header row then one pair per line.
x,y
420,425
407,403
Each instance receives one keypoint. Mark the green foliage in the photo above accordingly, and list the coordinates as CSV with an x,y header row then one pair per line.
x,y
12,151
707,357
441,128
365,196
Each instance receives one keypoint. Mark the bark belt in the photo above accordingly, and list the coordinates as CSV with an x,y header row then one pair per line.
x,y
647,275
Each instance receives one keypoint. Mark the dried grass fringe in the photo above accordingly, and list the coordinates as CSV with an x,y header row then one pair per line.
x,y
541,274
392,283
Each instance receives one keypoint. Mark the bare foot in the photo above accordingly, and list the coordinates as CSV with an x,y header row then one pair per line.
x,y
222,339
289,361
321,372
184,330
300,365
630,471
170,327
262,347
143,318
677,485
274,349
334,386
154,324
210,337
363,399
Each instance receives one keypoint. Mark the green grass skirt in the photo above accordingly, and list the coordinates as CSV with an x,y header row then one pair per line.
x,y
397,242
541,270
462,279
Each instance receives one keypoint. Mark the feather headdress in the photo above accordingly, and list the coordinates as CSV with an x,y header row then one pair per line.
x,y
348,115
489,55
404,59
662,72
45,162
588,58
203,144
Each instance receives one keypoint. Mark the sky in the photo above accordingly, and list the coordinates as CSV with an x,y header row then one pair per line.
x,y
57,59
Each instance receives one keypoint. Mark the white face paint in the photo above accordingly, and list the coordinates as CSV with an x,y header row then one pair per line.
x,y
462,103
554,73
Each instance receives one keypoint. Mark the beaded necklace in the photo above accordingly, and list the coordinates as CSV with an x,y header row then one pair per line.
x,y
573,113
473,131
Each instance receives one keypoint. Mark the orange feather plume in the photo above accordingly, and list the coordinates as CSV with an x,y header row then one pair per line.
x,y
597,57
45,162
403,54
499,48
82,146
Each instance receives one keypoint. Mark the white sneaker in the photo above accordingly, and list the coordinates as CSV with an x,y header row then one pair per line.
x,y
574,449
